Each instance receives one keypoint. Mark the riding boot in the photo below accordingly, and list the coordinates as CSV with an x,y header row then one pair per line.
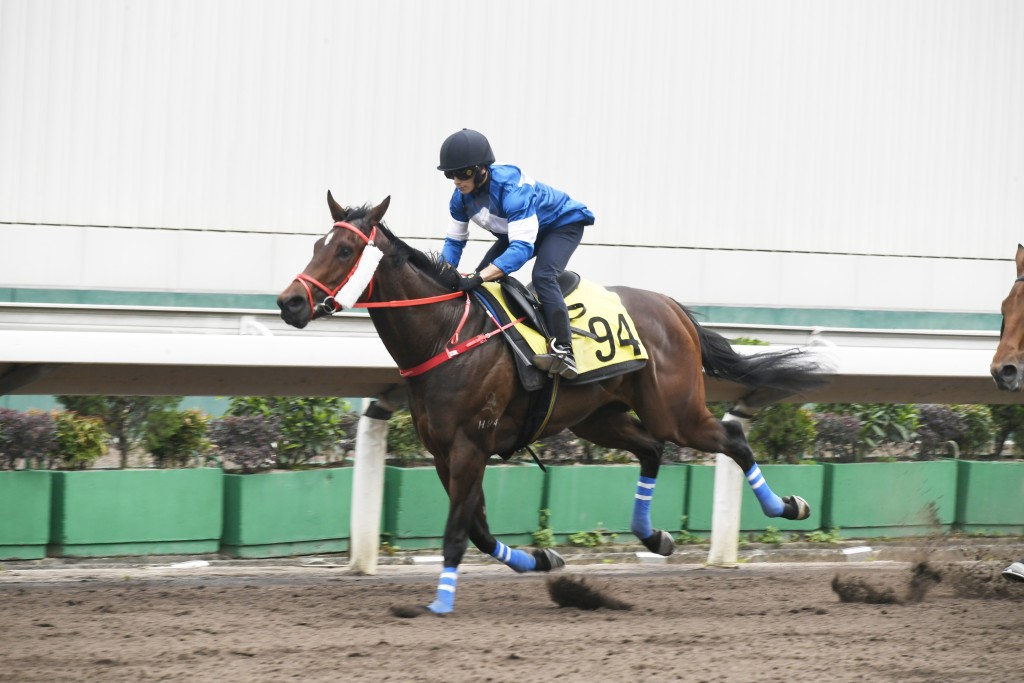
x,y
559,359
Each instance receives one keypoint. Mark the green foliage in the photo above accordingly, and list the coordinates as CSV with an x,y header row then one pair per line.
x,y
592,539
937,426
403,441
883,426
684,537
307,428
80,440
820,536
1007,420
177,438
748,341
124,417
838,436
769,535
30,437
783,432
248,441
543,537
978,429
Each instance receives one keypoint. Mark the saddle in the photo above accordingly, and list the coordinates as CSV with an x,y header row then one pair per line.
x,y
523,303
604,343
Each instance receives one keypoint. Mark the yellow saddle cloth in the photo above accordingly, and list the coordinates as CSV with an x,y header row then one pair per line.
x,y
604,338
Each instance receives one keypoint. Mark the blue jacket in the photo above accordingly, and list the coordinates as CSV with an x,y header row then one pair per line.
x,y
514,205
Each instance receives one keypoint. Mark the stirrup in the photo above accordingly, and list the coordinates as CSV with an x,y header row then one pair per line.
x,y
558,361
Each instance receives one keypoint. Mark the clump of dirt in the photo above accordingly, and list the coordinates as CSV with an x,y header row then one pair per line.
x,y
407,611
983,580
568,591
923,577
858,590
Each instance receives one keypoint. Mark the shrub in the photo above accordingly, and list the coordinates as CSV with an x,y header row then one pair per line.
x,y
30,437
247,441
177,438
124,417
307,428
1007,420
977,435
783,431
81,440
883,426
403,442
938,425
838,435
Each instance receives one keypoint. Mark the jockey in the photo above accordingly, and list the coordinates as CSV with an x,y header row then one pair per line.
x,y
529,219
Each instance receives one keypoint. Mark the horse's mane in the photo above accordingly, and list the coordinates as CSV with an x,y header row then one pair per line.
x,y
430,264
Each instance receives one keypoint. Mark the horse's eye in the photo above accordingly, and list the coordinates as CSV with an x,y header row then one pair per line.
x,y
344,252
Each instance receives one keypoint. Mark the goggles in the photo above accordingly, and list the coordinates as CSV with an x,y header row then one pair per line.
x,y
461,174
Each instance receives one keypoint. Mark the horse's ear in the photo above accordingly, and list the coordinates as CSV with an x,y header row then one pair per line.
x,y
337,212
1020,259
379,210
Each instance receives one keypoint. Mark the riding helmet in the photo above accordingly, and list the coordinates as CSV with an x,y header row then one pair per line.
x,y
464,149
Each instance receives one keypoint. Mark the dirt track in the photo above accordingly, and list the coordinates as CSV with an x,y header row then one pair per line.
x,y
767,622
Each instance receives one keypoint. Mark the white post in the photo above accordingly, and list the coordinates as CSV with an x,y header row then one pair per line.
x,y
725,512
368,489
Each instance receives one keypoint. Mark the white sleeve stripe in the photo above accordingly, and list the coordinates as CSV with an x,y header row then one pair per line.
x,y
458,230
524,230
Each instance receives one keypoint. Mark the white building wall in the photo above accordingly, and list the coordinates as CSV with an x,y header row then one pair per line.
x,y
806,153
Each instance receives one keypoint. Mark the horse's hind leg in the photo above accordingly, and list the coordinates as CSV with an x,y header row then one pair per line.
x,y
726,436
612,427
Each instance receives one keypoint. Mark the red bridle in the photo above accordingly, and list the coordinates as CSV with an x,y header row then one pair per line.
x,y
330,306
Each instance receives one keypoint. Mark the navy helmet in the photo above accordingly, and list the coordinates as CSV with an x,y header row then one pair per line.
x,y
465,149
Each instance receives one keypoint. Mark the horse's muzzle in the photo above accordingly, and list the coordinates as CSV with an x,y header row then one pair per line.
x,y
1008,376
294,310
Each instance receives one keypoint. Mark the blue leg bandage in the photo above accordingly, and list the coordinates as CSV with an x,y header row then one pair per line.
x,y
641,524
771,504
518,560
445,601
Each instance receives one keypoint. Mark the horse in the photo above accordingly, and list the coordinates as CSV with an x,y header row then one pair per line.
x,y
1008,362
467,404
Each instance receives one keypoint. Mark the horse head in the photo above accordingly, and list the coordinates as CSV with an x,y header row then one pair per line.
x,y
342,266
1008,363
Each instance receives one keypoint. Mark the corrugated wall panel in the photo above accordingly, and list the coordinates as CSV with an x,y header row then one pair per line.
x,y
813,126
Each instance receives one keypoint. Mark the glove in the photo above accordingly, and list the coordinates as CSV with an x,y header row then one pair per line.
x,y
468,282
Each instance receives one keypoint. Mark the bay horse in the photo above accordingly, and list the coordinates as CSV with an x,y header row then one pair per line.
x,y
1008,362
467,403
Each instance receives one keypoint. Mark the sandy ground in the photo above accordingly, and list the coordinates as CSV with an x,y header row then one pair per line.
x,y
761,622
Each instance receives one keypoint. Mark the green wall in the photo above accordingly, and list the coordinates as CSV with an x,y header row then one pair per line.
x,y
96,513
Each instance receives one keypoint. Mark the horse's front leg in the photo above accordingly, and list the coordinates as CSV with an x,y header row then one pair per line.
x,y
462,474
539,560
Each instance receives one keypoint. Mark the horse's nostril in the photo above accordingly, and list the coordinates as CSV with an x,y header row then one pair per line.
x,y
292,304
1008,372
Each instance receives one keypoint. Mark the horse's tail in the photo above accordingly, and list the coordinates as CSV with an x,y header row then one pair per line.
x,y
777,373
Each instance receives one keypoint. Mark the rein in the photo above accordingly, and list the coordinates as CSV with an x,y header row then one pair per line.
x,y
460,347
330,305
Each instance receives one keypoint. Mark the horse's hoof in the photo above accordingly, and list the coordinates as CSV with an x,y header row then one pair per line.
x,y
795,508
547,560
659,543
